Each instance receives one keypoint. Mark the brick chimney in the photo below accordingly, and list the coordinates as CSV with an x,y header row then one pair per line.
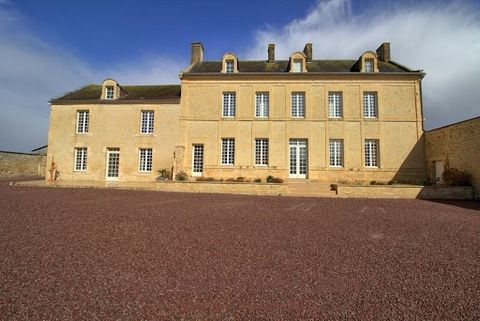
x,y
197,52
308,51
383,52
271,52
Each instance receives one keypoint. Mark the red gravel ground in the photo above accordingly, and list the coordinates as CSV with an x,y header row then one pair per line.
x,y
93,254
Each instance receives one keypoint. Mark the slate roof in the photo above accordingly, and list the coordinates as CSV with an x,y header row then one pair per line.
x,y
259,66
92,93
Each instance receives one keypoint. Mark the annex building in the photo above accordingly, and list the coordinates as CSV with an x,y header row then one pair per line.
x,y
352,120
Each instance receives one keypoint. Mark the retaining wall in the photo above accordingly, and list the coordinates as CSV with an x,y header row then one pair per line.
x,y
21,164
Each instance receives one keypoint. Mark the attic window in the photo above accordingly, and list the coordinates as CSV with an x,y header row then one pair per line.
x,y
297,65
368,65
229,66
109,92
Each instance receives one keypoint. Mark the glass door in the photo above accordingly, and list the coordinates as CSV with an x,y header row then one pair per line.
x,y
113,163
197,165
298,158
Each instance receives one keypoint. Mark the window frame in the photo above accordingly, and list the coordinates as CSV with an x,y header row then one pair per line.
x,y
261,152
297,62
370,62
373,158
297,109
340,105
80,161
227,152
229,66
85,122
336,156
262,111
109,90
149,122
145,161
367,110
229,110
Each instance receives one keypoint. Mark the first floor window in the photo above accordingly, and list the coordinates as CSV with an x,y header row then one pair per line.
x,y
228,105
371,153
334,104
145,163
81,159
261,151
336,152
109,93
82,121
147,122
298,104
369,105
261,105
228,151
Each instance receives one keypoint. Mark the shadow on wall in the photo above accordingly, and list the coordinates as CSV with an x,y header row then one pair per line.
x,y
413,170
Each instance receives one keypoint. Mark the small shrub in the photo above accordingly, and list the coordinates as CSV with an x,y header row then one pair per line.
x,y
240,179
164,174
205,179
181,176
257,180
231,179
377,183
454,177
277,180
269,179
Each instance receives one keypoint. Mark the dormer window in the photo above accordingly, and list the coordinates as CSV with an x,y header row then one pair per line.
x,y
229,66
109,93
297,65
368,65
368,62
297,62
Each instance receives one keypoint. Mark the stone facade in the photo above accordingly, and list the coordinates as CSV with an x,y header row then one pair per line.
x,y
456,145
20,164
197,119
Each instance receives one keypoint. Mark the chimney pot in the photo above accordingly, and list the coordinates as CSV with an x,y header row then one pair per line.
x,y
197,52
308,51
383,52
271,52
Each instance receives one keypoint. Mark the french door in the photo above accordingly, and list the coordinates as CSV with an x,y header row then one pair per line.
x,y
113,163
197,160
298,158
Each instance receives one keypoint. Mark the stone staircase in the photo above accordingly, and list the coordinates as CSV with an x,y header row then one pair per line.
x,y
297,187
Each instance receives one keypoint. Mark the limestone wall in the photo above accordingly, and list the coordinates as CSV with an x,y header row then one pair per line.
x,y
19,164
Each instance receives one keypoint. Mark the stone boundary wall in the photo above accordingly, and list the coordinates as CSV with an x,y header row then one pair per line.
x,y
223,187
22,164
422,192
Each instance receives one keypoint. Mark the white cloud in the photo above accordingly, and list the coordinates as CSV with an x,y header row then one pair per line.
x,y
441,38
33,71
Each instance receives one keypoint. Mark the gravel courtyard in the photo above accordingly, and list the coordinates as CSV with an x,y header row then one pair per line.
x,y
97,254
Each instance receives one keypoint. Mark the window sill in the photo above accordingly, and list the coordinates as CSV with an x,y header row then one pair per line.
x,y
370,118
335,118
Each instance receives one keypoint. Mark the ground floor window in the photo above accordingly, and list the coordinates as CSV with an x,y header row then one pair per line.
x,y
228,151
371,153
145,160
261,151
197,166
81,159
336,152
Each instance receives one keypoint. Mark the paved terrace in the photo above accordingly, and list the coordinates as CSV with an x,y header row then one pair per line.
x,y
105,254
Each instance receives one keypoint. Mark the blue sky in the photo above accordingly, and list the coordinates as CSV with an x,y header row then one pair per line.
x,y
49,47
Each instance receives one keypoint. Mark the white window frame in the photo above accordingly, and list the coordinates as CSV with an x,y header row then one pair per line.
x,y
298,105
83,121
147,121
372,153
228,151
109,92
229,104
369,62
229,66
198,150
297,65
335,104
262,102
261,151
370,104
145,160
80,163
335,147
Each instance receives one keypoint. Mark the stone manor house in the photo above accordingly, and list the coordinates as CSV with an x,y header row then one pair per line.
x,y
322,120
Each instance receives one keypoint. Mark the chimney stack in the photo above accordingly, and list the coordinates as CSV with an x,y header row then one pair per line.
x,y
308,51
383,52
271,52
197,52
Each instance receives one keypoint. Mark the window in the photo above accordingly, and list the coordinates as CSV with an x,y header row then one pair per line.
x,y
229,66
368,65
81,159
298,105
109,93
228,105
371,153
147,122
228,151
82,121
335,105
261,106
145,161
336,152
369,105
297,65
261,151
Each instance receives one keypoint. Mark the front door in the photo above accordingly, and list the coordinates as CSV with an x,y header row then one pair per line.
x,y
298,158
197,163
439,168
113,163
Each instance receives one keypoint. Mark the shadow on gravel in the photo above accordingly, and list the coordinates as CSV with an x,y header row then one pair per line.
x,y
473,205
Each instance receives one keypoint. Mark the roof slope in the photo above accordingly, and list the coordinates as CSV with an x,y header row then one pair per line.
x,y
341,66
93,92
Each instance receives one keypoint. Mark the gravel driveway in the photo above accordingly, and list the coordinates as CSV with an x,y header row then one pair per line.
x,y
97,254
